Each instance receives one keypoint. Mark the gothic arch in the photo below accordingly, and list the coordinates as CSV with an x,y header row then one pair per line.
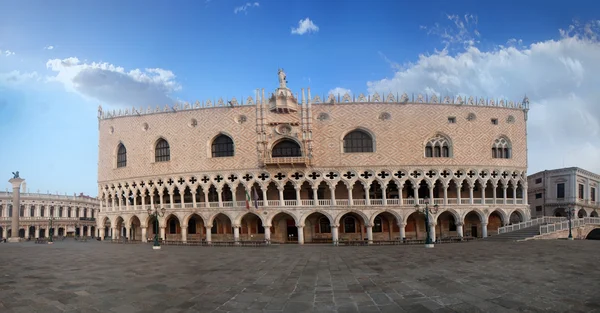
x,y
362,142
187,217
240,216
482,216
502,148
284,140
438,146
397,215
120,155
453,212
297,219
362,214
503,216
329,216
211,218
161,150
222,147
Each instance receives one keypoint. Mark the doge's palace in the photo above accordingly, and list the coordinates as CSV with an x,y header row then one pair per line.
x,y
309,168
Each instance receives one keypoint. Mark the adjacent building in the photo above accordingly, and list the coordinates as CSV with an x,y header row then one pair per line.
x,y
71,215
554,192
305,168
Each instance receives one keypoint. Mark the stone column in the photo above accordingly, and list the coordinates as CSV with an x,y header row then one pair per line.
x,y
208,233
268,234
367,196
101,233
315,196
370,234
446,194
432,230
494,192
114,232
26,231
300,235
144,235
350,201
236,233
484,230
16,204
281,201
471,193
298,198
334,235
459,229
402,227
184,234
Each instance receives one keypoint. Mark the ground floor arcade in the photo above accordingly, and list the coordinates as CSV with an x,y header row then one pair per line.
x,y
34,231
308,226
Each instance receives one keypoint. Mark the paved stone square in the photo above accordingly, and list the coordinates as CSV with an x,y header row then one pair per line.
x,y
70,276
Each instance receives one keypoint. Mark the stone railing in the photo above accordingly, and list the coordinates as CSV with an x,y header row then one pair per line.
x,y
564,225
411,202
533,222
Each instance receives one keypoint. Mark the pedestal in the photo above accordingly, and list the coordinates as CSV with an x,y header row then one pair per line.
x,y
155,247
429,245
570,238
16,205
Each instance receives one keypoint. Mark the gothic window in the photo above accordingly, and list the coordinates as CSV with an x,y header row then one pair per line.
x,y
438,147
324,225
222,146
121,156
349,224
501,149
162,152
358,141
286,148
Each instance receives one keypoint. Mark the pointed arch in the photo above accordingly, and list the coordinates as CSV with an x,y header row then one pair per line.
x,y
438,146
502,148
162,151
359,140
286,147
121,155
222,146
305,215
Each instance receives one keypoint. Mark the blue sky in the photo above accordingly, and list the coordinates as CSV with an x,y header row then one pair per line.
x,y
59,60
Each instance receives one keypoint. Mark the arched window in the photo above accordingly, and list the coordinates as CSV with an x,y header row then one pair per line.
x,y
324,225
358,141
286,148
438,147
377,225
222,146
501,149
349,224
121,156
162,152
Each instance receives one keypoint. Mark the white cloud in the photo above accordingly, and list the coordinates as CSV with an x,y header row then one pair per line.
x,y
111,84
245,7
305,26
49,47
560,77
462,31
339,91
6,53
16,77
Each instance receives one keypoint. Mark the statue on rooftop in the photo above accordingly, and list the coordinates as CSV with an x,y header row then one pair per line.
x,y
282,78
16,174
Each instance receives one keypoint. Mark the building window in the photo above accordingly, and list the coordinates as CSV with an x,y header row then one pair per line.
x,y
501,149
32,211
162,152
377,225
538,180
349,225
538,208
324,225
222,146
580,191
121,156
438,147
358,141
560,190
494,121
451,119
286,148
593,194
538,195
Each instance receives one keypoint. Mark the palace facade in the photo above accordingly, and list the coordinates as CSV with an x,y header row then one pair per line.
x,y
555,192
300,168
71,215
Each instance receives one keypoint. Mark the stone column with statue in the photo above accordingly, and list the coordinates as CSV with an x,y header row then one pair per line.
x,y
16,182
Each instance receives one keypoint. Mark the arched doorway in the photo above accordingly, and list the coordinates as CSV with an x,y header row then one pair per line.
x,y
221,228
251,228
283,229
195,228
173,228
516,217
385,227
495,221
446,226
472,225
317,228
352,227
415,226
135,229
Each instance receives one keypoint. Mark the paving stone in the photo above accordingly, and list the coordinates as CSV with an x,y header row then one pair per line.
x,y
531,276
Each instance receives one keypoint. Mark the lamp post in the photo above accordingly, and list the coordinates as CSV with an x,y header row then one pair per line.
x,y
156,214
50,231
434,210
570,213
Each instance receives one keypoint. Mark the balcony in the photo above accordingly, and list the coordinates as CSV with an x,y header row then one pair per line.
x,y
357,203
294,161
